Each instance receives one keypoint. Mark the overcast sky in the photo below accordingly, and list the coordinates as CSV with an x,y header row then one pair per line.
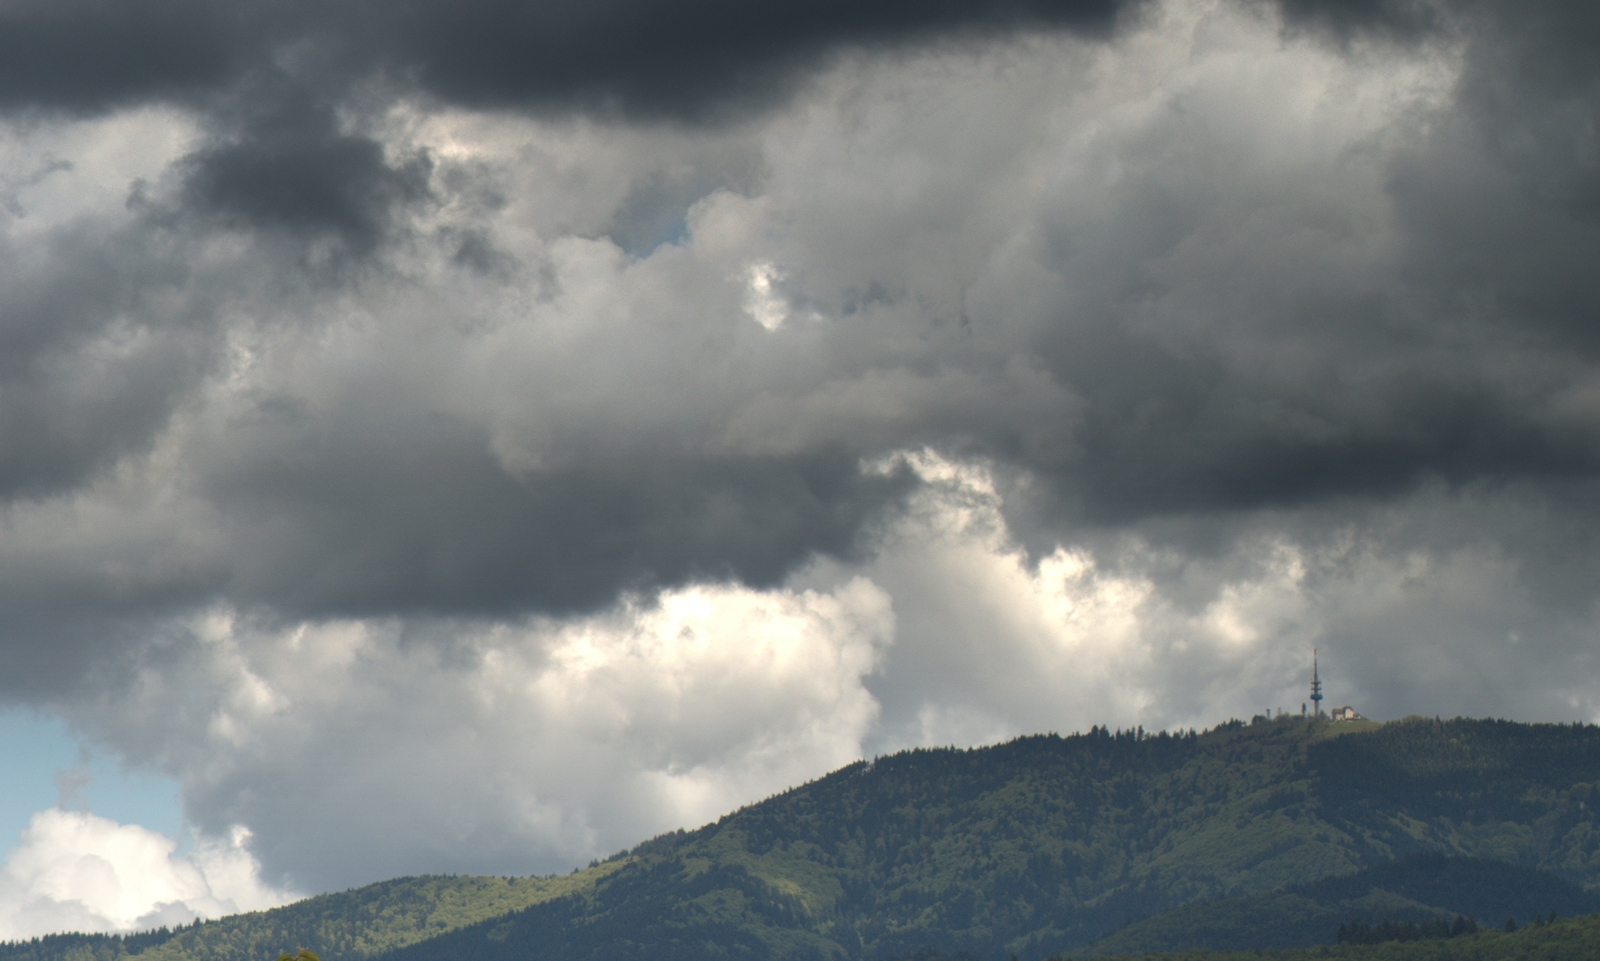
x,y
477,436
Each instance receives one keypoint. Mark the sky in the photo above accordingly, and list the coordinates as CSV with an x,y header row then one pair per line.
x,y
478,436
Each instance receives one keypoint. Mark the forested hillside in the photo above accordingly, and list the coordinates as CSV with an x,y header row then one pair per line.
x,y
1417,889
1034,847
1567,939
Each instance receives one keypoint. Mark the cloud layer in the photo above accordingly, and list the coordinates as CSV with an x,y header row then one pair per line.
x,y
569,447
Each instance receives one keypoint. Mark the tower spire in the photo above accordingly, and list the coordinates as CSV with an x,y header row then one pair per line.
x,y
1316,687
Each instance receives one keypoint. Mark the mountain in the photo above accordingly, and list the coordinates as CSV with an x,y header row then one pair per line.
x,y
1100,841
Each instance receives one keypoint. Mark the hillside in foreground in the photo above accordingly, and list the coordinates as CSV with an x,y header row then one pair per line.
x,y
1090,843
1567,939
1414,890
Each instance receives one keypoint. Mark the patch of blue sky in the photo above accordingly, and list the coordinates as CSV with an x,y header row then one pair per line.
x,y
42,765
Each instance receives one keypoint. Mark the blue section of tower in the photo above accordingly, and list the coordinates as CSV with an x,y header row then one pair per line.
x,y
1316,687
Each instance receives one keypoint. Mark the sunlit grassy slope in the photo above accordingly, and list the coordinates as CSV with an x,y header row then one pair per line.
x,y
1041,845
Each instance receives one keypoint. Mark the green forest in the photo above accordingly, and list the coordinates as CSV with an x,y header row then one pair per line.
x,y
1273,834
1571,939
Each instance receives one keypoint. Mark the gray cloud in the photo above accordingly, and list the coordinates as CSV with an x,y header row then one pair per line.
x,y
88,375
1315,376
1347,20
270,78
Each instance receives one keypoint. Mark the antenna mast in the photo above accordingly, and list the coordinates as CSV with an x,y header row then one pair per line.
x,y
1316,686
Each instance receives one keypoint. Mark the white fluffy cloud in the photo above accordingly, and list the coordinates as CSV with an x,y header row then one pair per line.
x,y
356,749
73,871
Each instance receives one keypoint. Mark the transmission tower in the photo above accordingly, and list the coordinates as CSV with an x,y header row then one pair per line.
x,y
1316,686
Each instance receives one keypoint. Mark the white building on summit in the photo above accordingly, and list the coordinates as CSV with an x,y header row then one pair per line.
x,y
1346,713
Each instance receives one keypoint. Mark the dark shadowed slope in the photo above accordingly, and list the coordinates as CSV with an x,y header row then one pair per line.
x,y
1565,939
1418,889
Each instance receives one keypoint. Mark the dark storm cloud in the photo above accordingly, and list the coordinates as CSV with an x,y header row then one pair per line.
x,y
1564,27
428,521
299,174
671,59
1182,434
82,55
633,55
